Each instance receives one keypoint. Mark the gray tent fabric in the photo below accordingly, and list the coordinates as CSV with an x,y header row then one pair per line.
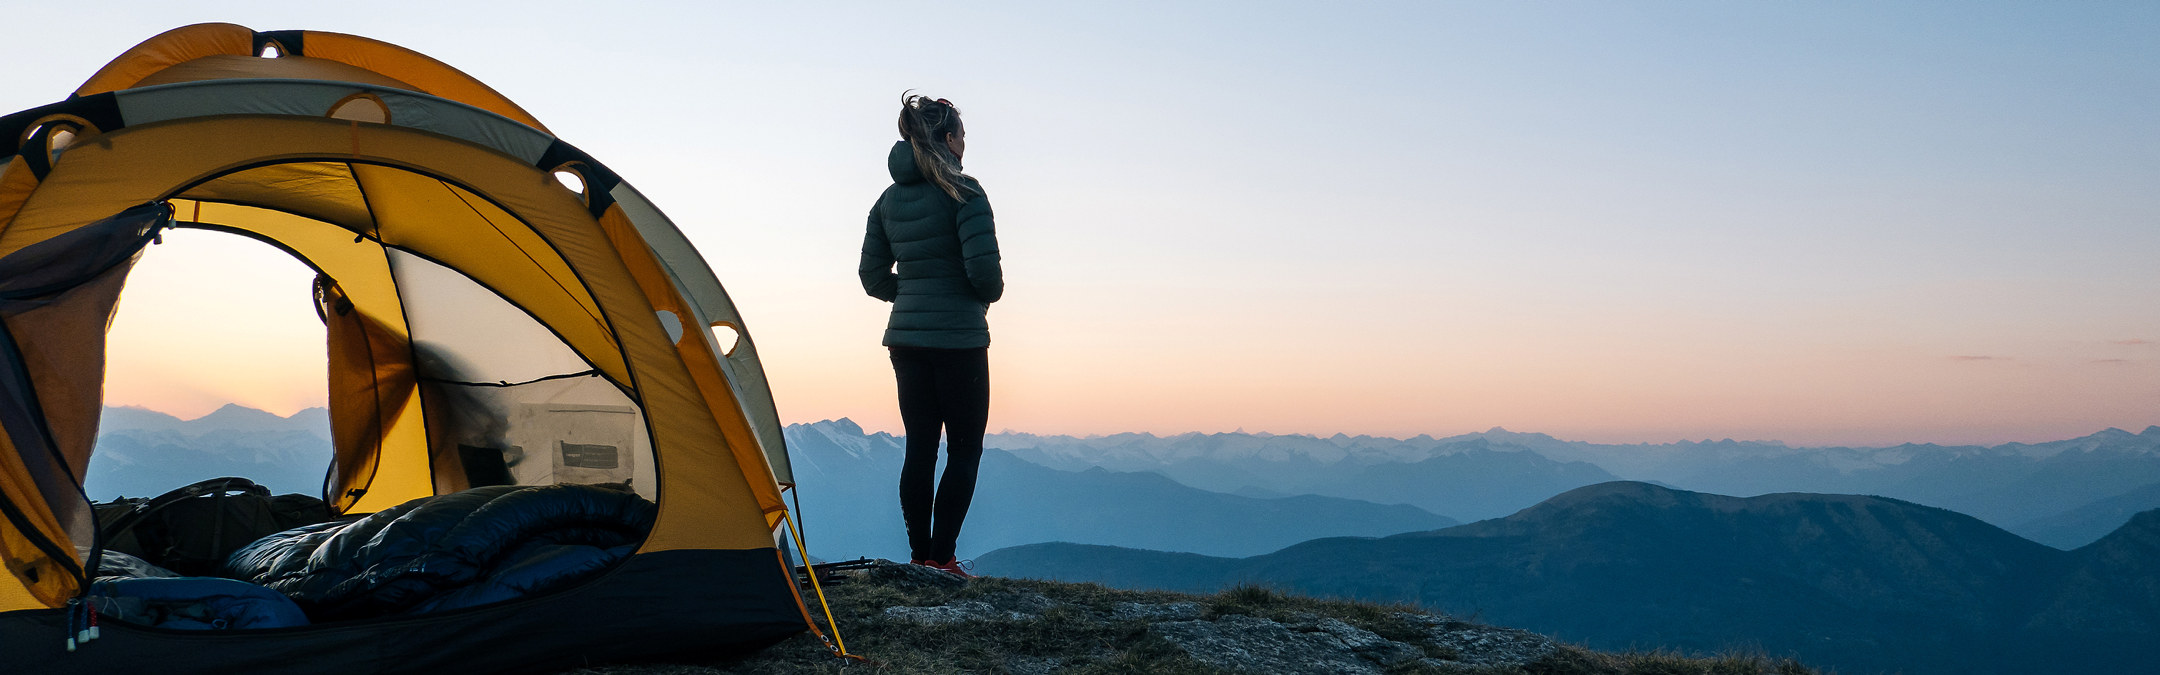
x,y
41,271
299,97
712,306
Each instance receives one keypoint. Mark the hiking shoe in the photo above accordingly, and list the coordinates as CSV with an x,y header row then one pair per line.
x,y
957,567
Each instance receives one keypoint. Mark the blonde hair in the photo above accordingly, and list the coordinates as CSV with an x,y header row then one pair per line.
x,y
924,123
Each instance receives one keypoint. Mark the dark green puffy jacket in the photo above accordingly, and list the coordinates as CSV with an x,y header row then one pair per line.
x,y
948,258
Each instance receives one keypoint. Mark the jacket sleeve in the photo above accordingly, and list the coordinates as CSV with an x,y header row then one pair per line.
x,y
979,249
876,268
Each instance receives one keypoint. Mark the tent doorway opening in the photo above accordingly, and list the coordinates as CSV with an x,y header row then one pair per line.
x,y
214,367
518,467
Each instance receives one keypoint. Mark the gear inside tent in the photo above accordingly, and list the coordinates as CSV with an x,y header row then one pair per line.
x,y
541,455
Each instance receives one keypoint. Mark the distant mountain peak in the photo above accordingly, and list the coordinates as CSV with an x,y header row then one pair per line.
x,y
1503,434
1579,505
137,418
235,410
231,417
1625,489
843,425
140,411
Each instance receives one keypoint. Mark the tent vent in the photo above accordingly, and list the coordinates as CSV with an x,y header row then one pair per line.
x,y
725,338
270,50
361,108
58,142
570,180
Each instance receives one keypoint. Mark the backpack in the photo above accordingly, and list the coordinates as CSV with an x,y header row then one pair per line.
x,y
191,530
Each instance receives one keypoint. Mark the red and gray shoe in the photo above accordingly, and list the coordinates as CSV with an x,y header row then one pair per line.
x,y
955,567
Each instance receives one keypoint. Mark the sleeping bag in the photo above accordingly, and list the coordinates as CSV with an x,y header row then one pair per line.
x,y
478,546
194,603
131,589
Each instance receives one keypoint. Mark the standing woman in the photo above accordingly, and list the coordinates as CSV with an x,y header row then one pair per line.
x,y
934,221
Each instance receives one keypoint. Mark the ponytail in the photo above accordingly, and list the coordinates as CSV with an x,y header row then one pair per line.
x,y
924,123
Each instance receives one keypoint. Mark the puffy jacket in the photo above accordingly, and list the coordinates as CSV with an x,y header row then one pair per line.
x,y
947,254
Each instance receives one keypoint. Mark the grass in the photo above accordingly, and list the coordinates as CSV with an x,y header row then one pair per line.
x,y
1079,635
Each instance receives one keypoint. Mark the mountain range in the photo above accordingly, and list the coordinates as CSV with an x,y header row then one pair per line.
x,y
850,494
2064,493
143,453
1860,583
2034,489
231,417
1855,583
849,489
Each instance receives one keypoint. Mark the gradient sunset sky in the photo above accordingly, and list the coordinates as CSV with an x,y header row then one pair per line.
x,y
1823,223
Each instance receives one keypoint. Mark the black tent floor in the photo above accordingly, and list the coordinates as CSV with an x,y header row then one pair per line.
x,y
666,604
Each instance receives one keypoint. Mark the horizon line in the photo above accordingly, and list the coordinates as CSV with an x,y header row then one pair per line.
x,y
1241,431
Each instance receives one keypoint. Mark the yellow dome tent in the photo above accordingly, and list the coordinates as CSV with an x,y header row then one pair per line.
x,y
481,282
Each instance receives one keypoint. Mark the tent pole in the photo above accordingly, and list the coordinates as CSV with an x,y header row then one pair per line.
x,y
795,533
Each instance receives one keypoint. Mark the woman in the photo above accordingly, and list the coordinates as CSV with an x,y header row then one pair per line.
x,y
935,223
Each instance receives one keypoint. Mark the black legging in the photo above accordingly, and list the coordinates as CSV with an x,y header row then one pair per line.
x,y
940,390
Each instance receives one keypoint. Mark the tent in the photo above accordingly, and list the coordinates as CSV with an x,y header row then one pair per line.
x,y
483,284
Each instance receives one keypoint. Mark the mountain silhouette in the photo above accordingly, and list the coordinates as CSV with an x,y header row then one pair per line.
x,y
2017,486
143,453
136,418
2088,523
229,417
2112,586
850,492
236,417
1860,584
1465,477
1474,481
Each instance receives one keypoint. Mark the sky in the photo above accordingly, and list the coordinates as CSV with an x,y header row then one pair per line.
x,y
1823,223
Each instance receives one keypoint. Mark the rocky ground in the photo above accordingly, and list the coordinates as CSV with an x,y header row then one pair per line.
x,y
908,619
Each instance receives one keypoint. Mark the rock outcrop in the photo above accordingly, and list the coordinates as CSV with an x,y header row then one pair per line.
x,y
911,619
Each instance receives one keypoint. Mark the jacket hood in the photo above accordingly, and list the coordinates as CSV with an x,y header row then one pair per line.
x,y
901,162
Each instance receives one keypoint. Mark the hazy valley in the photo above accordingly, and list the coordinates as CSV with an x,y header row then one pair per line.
x,y
2010,558
2064,493
1858,584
